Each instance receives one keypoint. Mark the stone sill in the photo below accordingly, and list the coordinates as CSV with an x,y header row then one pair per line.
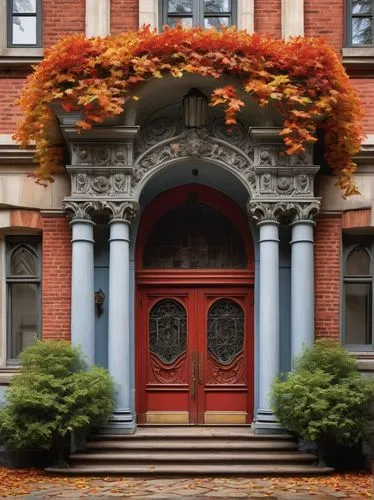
x,y
365,360
358,58
7,373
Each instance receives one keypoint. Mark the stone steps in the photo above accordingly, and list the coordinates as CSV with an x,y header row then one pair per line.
x,y
191,451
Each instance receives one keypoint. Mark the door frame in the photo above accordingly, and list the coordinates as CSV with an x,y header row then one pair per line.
x,y
225,278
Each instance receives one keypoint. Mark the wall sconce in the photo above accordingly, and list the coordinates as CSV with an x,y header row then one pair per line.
x,y
99,301
195,108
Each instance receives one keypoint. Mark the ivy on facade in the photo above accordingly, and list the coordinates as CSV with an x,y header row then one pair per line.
x,y
302,77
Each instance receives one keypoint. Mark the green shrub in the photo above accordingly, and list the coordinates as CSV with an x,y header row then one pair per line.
x,y
325,399
54,394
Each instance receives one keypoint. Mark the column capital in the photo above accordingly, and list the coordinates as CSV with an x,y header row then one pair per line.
x,y
263,211
81,210
304,211
121,210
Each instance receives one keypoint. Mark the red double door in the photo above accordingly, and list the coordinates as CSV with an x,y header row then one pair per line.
x,y
195,355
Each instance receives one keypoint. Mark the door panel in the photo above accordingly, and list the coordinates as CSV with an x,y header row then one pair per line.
x,y
195,355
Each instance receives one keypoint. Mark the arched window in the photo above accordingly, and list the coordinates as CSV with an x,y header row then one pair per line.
x,y
23,294
194,236
206,13
358,297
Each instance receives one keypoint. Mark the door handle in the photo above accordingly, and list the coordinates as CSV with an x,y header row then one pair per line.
x,y
200,368
193,374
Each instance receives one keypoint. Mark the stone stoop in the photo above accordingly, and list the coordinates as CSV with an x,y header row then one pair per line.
x,y
183,451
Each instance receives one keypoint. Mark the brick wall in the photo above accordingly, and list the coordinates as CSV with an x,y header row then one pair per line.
x,y
268,17
9,113
327,276
365,87
124,16
56,278
61,17
325,19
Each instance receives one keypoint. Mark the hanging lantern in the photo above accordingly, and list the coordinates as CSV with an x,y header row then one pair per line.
x,y
195,106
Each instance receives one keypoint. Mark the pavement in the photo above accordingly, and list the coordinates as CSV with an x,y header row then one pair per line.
x,y
336,486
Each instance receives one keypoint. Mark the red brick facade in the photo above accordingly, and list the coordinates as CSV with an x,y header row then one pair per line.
x,y
326,20
268,17
56,278
9,113
124,15
61,18
328,235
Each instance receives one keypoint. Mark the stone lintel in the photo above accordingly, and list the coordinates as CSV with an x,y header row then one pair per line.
x,y
265,135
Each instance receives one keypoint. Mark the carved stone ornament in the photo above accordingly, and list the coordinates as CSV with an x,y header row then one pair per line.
x,y
81,209
305,210
124,210
268,211
102,155
193,144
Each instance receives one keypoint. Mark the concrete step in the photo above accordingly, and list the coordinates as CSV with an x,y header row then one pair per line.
x,y
190,456
201,470
189,435
200,444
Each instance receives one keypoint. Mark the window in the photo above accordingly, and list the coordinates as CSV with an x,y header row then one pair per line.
x,y
207,13
360,25
23,294
358,296
24,23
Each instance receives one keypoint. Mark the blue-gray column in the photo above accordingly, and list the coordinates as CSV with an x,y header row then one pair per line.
x,y
266,422
122,420
302,286
82,287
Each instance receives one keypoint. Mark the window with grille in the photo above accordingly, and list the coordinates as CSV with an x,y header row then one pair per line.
x,y
24,23
360,23
206,13
23,294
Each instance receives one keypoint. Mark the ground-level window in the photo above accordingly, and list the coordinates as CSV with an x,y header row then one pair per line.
x,y
358,294
24,23
206,13
360,23
23,293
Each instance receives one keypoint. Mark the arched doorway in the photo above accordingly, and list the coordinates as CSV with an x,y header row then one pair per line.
x,y
194,310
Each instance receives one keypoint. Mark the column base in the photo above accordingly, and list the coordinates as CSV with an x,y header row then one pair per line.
x,y
121,422
266,423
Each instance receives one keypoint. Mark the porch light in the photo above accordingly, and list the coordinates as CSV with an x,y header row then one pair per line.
x,y
195,106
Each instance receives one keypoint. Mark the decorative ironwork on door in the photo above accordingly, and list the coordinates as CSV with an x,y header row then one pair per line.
x,y
167,330
225,330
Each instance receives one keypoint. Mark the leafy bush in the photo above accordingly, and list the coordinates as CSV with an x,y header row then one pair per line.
x,y
325,399
54,394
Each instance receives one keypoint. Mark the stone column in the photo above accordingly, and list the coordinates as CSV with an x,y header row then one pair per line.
x,y
302,283
269,324
82,280
119,339
267,215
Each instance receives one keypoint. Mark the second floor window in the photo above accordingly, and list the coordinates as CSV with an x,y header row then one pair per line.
x,y
360,29
206,13
24,23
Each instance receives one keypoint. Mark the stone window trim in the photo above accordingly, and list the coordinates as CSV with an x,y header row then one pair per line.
x,y
14,55
149,13
364,244
11,244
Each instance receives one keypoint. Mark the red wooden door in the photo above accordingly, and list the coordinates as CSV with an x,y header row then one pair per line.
x,y
195,355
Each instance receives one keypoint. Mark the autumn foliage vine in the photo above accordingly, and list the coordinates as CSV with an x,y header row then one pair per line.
x,y
302,77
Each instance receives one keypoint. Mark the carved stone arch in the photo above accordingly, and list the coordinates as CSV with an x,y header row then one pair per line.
x,y
194,145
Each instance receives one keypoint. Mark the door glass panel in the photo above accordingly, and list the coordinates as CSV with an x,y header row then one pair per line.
x,y
23,263
24,322
225,330
167,330
193,236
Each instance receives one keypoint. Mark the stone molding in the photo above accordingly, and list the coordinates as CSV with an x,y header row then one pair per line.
x,y
110,165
